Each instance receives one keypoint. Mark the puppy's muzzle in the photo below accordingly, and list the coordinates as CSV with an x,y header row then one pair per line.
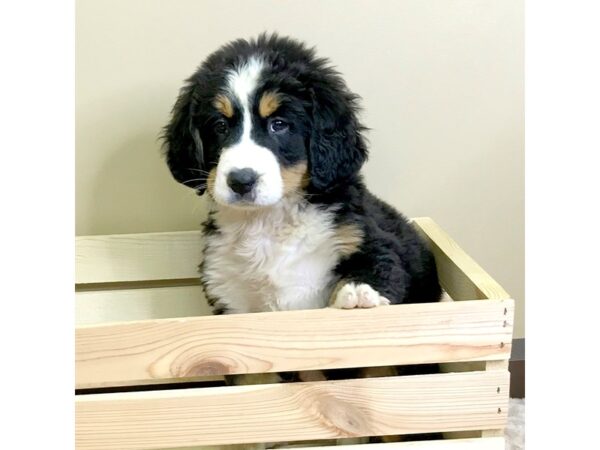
x,y
242,181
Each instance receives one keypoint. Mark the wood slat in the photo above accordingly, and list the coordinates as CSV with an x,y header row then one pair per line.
x,y
289,412
496,443
138,257
104,306
459,274
495,366
128,353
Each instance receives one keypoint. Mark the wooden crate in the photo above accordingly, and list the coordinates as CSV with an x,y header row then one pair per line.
x,y
155,275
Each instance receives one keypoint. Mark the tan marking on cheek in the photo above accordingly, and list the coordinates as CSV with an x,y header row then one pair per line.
x,y
348,237
210,181
223,105
294,178
269,102
305,180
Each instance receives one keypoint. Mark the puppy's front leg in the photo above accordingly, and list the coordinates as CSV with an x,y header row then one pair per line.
x,y
369,279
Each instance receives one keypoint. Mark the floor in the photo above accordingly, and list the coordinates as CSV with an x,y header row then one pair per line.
x,y
515,429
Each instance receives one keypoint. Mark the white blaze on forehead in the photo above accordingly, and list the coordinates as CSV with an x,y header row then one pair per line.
x,y
242,83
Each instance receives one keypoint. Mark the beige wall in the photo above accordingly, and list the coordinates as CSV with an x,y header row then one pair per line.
x,y
442,83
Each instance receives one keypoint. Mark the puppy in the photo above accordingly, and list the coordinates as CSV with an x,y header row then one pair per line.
x,y
271,132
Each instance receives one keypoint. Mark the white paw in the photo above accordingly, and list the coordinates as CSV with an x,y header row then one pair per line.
x,y
353,295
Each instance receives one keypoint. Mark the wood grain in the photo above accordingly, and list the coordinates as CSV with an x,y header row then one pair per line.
x,y
290,412
501,366
195,348
460,276
131,352
495,443
118,305
137,257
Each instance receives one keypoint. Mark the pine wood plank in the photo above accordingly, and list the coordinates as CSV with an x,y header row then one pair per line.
x,y
460,276
290,412
105,306
496,366
495,443
138,257
132,352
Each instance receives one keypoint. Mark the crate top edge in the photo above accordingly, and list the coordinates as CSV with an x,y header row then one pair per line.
x,y
310,313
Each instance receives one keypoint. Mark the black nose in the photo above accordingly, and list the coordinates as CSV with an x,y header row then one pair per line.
x,y
242,181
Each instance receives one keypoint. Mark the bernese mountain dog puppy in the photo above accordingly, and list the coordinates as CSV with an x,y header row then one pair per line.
x,y
271,132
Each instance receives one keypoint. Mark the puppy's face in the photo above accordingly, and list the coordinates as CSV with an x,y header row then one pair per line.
x,y
255,137
261,120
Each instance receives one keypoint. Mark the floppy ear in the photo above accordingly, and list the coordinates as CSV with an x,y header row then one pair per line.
x,y
183,145
337,149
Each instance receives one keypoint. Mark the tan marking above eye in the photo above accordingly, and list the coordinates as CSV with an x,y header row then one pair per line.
x,y
223,105
268,104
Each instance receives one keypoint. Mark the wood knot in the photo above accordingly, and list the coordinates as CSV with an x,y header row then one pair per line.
x,y
344,417
207,368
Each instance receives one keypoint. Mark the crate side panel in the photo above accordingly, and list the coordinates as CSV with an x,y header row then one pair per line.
x,y
289,412
460,276
328,338
109,306
137,257
496,443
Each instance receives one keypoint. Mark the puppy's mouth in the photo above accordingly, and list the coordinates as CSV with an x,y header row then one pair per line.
x,y
245,188
247,176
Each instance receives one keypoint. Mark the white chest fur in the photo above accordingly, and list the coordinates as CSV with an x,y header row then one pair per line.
x,y
270,260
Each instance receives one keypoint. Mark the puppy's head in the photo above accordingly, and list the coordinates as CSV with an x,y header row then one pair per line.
x,y
263,119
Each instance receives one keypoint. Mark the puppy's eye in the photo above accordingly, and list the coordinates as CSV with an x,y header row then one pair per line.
x,y
221,127
278,126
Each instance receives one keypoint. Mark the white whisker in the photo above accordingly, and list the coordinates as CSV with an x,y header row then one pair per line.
x,y
194,179
199,170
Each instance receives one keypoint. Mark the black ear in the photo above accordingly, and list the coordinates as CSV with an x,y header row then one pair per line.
x,y
337,148
183,145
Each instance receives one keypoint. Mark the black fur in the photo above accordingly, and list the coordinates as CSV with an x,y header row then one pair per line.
x,y
392,259
210,228
327,135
